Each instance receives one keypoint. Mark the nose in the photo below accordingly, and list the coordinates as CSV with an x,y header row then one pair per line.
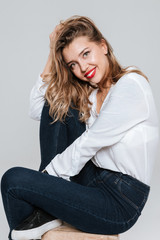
x,y
83,66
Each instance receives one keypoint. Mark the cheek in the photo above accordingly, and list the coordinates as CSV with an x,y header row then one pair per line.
x,y
76,73
79,75
96,58
92,58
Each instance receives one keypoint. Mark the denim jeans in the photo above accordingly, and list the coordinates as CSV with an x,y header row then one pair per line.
x,y
96,200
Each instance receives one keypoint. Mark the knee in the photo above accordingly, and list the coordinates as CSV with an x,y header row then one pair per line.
x,y
11,178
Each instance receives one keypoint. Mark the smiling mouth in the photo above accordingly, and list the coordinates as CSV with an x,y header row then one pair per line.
x,y
91,73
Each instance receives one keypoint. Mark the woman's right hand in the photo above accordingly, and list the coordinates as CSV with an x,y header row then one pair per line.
x,y
52,38
53,34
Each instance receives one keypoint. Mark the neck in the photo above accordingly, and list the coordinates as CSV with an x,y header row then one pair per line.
x,y
107,82
105,88
102,92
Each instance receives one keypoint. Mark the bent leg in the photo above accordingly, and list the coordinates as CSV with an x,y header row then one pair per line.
x,y
23,189
55,138
108,204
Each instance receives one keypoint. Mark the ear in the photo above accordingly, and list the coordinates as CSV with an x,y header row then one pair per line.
x,y
104,46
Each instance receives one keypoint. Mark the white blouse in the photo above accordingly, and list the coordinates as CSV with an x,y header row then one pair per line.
x,y
123,137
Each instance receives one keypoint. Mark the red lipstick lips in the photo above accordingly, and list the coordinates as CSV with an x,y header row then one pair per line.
x,y
91,73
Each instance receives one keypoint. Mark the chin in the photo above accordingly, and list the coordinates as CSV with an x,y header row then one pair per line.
x,y
95,81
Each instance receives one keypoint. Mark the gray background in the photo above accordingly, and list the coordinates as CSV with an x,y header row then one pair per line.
x,y
132,28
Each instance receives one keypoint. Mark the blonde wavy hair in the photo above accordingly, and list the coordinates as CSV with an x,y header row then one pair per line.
x,y
64,88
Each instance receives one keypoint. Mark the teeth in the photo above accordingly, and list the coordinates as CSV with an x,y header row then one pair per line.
x,y
90,73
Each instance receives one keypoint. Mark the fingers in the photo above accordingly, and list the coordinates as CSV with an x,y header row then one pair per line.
x,y
53,34
55,31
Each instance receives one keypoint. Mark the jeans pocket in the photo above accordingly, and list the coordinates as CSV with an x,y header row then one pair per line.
x,y
132,195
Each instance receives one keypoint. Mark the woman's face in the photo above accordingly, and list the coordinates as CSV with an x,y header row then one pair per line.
x,y
87,60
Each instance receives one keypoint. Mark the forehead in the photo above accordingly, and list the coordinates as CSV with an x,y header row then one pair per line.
x,y
76,47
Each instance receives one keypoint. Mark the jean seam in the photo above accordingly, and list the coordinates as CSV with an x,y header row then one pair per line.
x,y
125,197
144,201
9,216
143,192
57,136
93,180
75,207
104,178
137,208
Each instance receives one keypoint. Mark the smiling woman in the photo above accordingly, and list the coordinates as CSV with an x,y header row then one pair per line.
x,y
98,138
78,47
89,63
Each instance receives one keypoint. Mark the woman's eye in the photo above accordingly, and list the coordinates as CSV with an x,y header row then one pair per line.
x,y
72,66
86,54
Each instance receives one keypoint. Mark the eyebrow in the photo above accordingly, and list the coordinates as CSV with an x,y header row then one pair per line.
x,y
78,55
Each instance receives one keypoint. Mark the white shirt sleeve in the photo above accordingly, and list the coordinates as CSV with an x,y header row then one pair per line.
x,y
126,107
37,99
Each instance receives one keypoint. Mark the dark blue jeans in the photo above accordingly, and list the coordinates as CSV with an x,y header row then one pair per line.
x,y
96,200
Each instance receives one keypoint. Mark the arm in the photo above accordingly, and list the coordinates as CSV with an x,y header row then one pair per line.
x,y
37,94
125,108
52,37
47,68
37,99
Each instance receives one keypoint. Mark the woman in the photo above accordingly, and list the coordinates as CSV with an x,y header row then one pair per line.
x,y
99,135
